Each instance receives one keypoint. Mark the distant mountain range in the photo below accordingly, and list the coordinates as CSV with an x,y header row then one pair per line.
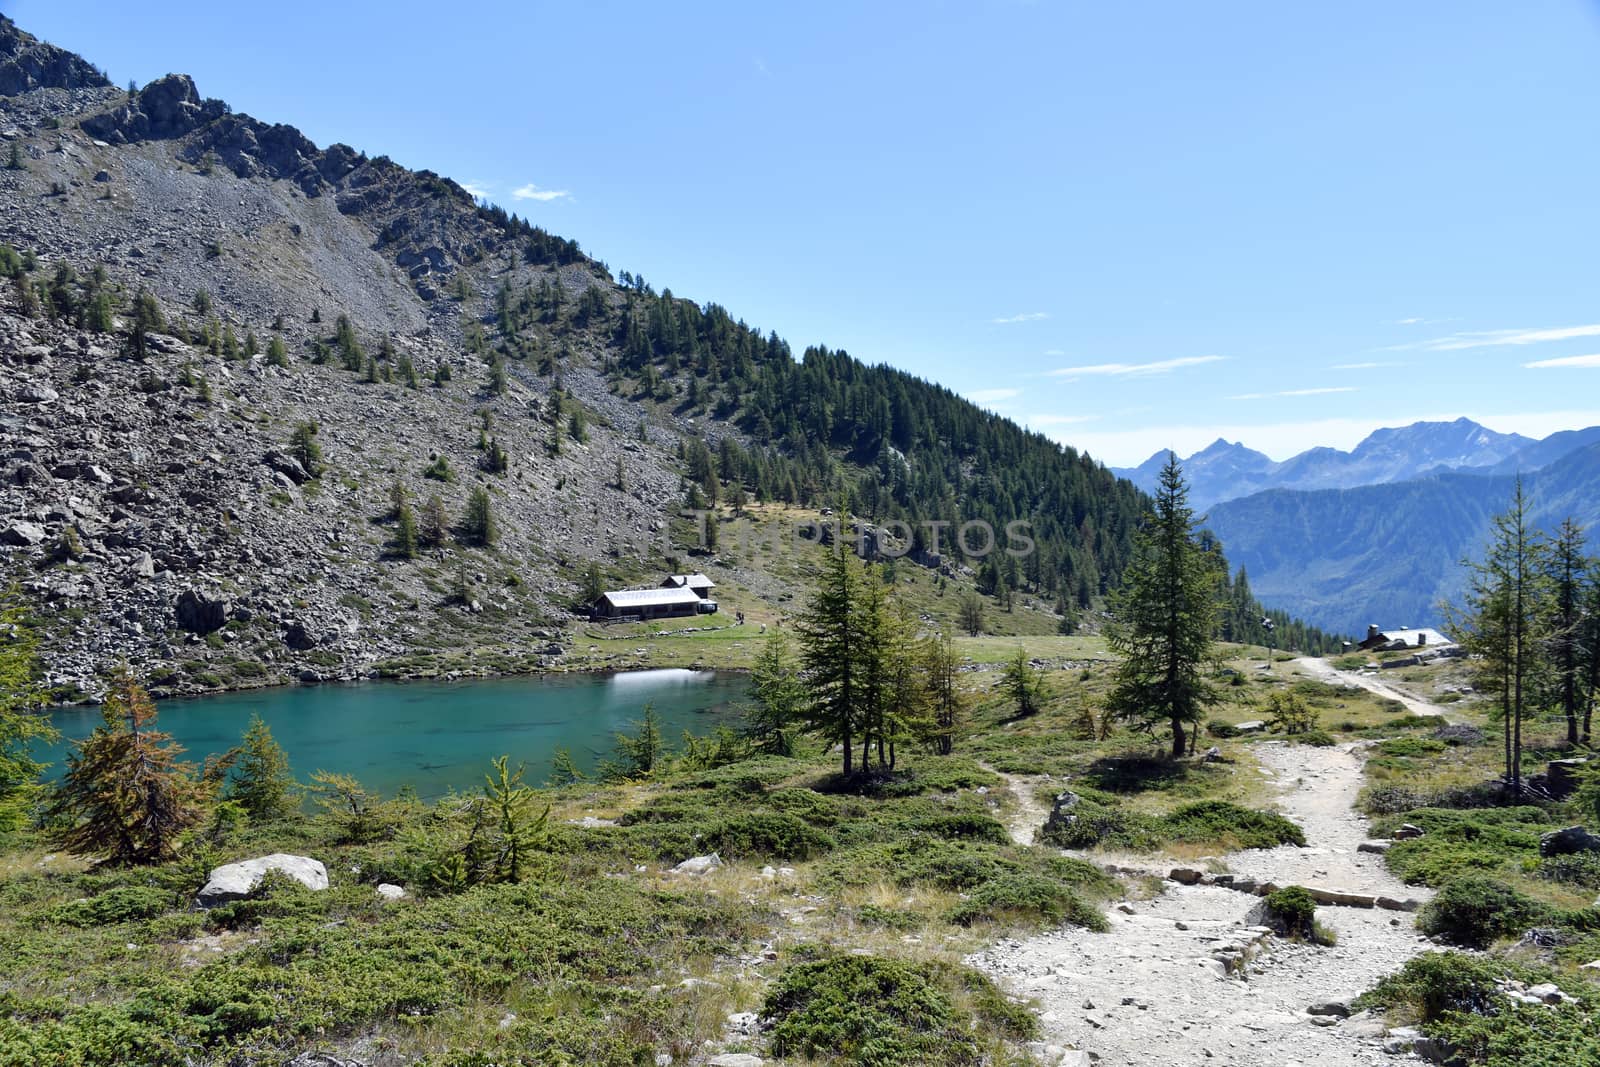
x,y
1227,471
1390,553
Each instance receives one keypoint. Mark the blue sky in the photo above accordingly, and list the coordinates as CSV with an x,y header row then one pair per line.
x,y
1129,225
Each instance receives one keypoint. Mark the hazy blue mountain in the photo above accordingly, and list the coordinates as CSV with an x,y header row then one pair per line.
x,y
1389,553
1227,471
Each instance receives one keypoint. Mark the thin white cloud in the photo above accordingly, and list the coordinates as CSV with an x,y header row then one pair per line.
x,y
1408,322
1566,361
1026,316
477,190
533,192
993,396
1495,338
1124,370
1370,365
1319,391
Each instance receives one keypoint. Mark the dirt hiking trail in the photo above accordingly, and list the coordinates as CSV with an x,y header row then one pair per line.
x,y
1188,977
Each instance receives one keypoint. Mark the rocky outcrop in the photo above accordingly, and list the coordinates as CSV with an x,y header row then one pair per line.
x,y
1570,840
200,613
235,881
27,63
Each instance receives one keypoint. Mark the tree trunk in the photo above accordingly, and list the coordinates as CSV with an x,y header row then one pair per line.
x,y
847,753
1177,738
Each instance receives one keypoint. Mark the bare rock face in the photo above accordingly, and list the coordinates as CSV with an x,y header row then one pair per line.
x,y
200,613
27,63
166,108
235,881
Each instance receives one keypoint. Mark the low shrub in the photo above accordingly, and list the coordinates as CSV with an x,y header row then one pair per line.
x,y
119,905
1456,842
1222,822
1435,984
1319,738
884,1012
1581,869
1026,897
1474,912
1089,823
1410,746
764,834
1292,912
888,918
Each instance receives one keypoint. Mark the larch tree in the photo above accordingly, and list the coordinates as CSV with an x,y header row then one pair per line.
x,y
1021,683
1165,618
20,725
125,796
779,694
946,702
1569,642
1503,623
262,783
829,638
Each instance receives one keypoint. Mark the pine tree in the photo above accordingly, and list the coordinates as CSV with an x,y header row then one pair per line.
x,y
434,525
1021,683
14,160
21,727
405,531
277,354
1164,619
125,796
304,448
1501,623
593,584
779,697
830,637
477,522
261,781
942,671
971,614
1566,640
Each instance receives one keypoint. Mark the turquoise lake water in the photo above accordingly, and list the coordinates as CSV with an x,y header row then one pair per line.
x,y
436,736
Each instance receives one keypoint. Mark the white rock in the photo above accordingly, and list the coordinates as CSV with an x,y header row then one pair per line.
x,y
391,892
699,864
235,881
735,1059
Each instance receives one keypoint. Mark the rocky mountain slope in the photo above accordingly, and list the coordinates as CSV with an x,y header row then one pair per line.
x,y
1227,471
187,287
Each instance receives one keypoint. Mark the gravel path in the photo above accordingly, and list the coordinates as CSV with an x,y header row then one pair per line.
x,y
1324,671
1152,991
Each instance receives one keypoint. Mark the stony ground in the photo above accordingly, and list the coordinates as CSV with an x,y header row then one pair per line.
x,y
1154,991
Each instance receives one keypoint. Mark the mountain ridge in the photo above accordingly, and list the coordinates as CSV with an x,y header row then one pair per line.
x,y
1226,471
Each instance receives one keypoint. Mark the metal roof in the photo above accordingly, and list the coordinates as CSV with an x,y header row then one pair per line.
x,y
638,598
692,581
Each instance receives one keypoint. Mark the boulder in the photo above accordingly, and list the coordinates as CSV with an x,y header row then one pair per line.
x,y
699,864
287,466
1253,726
1568,841
235,881
37,393
324,1059
1185,875
23,534
298,636
1329,1007
1375,847
735,1059
200,613
1407,832
391,892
